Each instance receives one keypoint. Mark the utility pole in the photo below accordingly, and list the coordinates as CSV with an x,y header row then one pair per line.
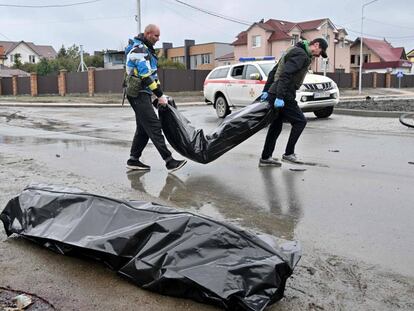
x,y
360,50
138,16
325,60
82,66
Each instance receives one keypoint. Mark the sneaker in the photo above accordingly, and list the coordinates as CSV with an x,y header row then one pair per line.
x,y
137,165
174,165
291,158
269,162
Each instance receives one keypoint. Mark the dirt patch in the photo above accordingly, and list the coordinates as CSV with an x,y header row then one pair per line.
x,y
392,104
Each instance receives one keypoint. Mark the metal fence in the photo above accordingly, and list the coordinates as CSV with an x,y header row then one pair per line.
x,y
172,80
76,82
6,86
23,85
109,81
47,84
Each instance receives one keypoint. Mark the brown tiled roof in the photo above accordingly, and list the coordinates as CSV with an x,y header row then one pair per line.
x,y
226,56
7,45
46,51
241,39
310,25
279,29
6,72
393,64
385,51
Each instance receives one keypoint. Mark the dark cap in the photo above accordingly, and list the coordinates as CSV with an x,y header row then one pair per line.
x,y
322,44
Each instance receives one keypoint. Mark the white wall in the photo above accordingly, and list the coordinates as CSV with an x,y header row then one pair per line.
x,y
24,52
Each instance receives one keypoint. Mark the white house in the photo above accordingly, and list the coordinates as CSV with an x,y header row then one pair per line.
x,y
29,52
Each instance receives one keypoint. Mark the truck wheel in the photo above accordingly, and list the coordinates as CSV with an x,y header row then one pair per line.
x,y
324,112
222,108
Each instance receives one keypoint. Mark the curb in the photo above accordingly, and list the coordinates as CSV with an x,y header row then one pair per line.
x,y
81,105
369,113
342,111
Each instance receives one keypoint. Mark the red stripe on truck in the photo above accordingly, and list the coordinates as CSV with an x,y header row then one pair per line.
x,y
235,81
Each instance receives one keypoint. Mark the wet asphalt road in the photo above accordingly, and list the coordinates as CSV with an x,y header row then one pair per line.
x,y
356,202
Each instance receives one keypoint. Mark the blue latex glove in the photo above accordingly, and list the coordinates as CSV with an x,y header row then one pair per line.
x,y
279,103
264,96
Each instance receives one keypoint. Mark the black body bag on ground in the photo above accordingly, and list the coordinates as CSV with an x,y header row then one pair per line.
x,y
193,144
161,249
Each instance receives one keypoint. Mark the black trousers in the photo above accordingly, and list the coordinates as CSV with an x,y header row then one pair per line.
x,y
148,127
291,113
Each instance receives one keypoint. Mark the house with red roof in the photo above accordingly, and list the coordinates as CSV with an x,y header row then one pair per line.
x,y
274,37
410,57
379,56
29,52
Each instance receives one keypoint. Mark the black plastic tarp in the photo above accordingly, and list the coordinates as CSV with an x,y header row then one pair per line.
x,y
162,249
194,144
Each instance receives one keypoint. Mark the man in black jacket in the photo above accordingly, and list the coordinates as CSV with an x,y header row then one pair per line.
x,y
280,90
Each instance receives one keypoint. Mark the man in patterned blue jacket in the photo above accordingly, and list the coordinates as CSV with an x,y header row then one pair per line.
x,y
142,63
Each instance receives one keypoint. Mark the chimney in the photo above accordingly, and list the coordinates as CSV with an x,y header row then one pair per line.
x,y
187,45
2,56
165,47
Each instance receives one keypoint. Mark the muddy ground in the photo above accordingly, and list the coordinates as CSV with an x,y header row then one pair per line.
x,y
322,281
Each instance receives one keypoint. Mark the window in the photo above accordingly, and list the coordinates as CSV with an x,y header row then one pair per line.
x,y
352,59
256,41
366,58
178,59
295,39
358,60
205,58
251,69
194,61
237,72
32,59
219,73
12,58
342,44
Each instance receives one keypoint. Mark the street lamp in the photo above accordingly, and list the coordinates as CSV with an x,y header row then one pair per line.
x,y
361,39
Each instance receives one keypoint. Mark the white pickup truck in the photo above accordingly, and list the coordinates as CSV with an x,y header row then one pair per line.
x,y
240,84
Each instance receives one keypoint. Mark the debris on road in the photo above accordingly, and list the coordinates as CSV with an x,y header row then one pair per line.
x,y
23,301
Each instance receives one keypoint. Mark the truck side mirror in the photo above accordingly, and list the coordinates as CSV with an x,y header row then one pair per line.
x,y
255,76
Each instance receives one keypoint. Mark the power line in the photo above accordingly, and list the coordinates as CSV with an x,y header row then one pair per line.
x,y
228,18
382,23
72,20
48,6
186,17
377,36
5,37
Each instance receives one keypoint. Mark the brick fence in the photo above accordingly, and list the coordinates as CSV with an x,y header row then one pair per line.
x,y
173,80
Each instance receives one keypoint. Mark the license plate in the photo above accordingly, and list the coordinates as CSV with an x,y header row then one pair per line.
x,y
321,95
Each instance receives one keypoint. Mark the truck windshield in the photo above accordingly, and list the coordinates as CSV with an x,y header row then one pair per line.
x,y
267,68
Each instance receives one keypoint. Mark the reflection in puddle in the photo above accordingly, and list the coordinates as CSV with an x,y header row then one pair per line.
x,y
275,210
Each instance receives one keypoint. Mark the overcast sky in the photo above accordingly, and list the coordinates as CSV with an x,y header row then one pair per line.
x,y
107,24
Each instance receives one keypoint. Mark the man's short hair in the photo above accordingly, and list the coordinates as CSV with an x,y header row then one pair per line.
x,y
150,28
322,44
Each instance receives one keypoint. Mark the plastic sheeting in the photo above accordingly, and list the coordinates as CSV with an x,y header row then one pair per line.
x,y
193,144
161,249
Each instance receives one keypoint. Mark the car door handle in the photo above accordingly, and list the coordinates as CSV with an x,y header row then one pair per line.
x,y
228,84
244,85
